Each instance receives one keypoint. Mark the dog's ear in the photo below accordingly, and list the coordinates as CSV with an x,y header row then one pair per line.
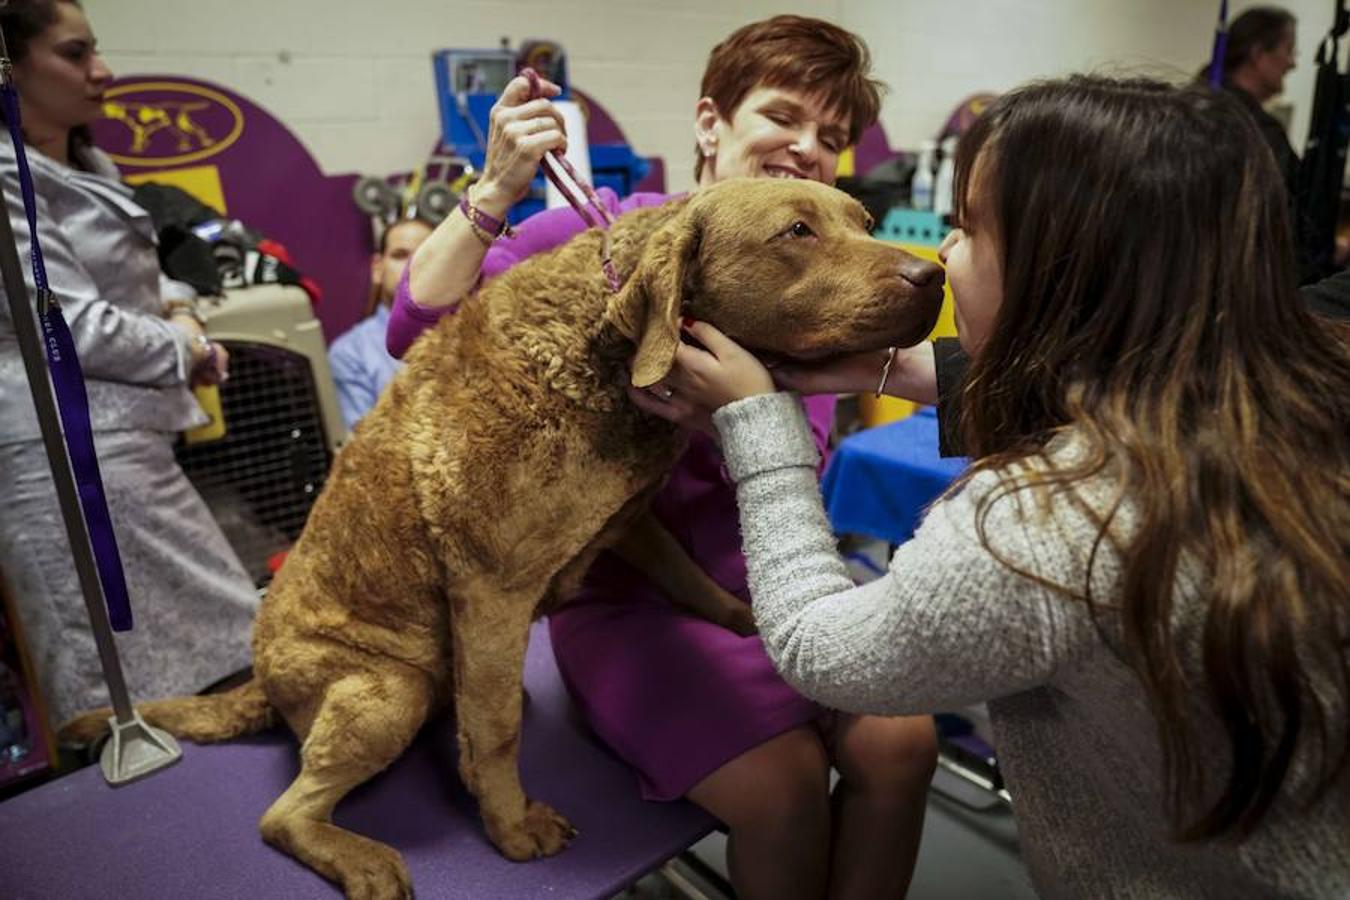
x,y
647,308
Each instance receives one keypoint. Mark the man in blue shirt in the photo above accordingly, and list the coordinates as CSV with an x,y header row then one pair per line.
x,y
360,363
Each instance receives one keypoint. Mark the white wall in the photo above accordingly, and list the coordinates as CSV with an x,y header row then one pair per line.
x,y
353,78
933,61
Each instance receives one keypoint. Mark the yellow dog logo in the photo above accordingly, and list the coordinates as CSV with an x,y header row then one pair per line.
x,y
166,123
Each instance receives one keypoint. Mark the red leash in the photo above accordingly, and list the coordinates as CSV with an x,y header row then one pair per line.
x,y
578,193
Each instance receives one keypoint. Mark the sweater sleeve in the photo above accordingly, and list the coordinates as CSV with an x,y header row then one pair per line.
x,y
949,624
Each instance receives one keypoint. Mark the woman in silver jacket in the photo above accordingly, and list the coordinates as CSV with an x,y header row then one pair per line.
x,y
191,598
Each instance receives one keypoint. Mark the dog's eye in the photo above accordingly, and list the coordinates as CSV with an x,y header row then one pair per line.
x,y
799,230
870,224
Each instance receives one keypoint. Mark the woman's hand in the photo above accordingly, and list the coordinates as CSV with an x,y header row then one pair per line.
x,y
843,375
520,132
447,265
210,360
214,368
912,376
704,379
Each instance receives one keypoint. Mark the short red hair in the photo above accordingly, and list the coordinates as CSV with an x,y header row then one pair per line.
x,y
797,53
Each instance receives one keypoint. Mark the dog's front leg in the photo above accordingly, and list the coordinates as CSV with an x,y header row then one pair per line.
x,y
491,628
650,548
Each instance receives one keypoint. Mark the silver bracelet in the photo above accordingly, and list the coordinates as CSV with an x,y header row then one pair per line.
x,y
886,369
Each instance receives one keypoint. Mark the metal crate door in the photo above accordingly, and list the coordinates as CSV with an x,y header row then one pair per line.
x,y
262,477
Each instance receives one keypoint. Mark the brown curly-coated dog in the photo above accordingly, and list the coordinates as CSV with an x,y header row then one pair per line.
x,y
493,469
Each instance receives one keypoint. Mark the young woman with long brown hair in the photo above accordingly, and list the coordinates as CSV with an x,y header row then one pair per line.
x,y
1144,570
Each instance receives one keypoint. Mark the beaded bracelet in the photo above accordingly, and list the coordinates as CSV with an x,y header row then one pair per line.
x,y
486,227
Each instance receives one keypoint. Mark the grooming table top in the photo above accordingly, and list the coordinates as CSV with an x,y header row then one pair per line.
x,y
192,830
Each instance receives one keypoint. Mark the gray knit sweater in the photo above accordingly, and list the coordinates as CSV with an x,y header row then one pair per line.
x,y
950,625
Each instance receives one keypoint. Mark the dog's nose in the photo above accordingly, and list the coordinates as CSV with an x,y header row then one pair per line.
x,y
921,272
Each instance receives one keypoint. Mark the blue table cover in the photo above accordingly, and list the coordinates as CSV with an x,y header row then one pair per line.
x,y
880,481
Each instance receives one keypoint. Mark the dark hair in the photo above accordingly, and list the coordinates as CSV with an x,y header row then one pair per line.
x,y
1258,28
20,22
799,53
23,20
1149,311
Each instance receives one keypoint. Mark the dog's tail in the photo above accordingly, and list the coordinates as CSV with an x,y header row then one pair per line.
x,y
203,719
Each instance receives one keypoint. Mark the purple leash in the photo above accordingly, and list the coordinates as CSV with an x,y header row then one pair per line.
x,y
578,193
71,397
1220,47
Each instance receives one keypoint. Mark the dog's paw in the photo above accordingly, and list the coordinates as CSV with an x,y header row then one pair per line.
x,y
377,872
740,620
542,832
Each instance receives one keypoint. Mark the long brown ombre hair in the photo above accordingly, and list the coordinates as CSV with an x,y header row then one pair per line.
x,y
1150,312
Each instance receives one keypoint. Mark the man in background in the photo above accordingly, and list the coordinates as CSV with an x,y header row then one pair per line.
x,y
360,363
1260,52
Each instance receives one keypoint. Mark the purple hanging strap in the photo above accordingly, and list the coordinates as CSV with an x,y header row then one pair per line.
x,y
71,397
1220,47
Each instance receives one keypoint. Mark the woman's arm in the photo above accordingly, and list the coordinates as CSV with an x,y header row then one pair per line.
x,y
520,132
930,373
912,375
114,344
446,267
409,316
947,625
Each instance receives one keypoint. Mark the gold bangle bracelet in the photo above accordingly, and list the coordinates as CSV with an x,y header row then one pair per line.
x,y
886,369
184,308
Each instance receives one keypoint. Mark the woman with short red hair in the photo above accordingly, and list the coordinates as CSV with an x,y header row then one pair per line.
x,y
696,708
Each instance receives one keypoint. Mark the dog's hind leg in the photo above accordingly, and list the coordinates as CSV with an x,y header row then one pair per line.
x,y
363,723
491,629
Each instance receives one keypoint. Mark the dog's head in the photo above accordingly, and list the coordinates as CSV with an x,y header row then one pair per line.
x,y
785,268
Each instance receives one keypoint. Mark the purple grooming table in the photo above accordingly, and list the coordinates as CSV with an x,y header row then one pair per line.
x,y
192,830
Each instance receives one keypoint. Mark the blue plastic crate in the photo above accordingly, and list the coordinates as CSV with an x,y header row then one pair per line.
x,y
464,109
464,126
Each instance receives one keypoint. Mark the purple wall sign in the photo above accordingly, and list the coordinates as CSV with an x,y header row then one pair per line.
x,y
228,150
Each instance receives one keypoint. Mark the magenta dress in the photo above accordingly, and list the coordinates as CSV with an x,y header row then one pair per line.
x,y
675,696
